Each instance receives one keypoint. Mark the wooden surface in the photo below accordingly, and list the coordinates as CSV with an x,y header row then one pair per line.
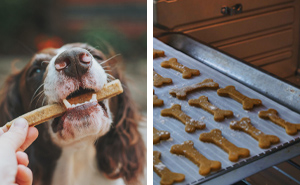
x,y
265,34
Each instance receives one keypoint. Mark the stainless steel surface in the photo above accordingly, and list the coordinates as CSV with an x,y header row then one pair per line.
x,y
231,172
270,86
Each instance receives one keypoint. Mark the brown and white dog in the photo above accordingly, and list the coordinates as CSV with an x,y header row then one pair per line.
x,y
92,143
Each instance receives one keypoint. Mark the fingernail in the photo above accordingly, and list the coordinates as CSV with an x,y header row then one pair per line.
x,y
20,123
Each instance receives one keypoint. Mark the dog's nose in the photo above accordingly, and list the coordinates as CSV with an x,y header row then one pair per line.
x,y
74,62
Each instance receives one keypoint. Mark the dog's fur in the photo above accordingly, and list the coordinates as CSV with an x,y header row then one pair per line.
x,y
76,156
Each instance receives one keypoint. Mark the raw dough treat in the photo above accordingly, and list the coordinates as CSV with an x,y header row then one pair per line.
x,y
158,80
247,102
182,92
167,176
187,149
272,115
160,135
215,137
190,124
264,141
186,72
219,114
158,53
48,112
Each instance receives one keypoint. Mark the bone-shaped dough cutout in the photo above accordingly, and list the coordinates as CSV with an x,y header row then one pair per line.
x,y
181,93
188,150
160,135
264,141
247,102
158,53
158,80
202,102
215,137
272,114
190,124
167,176
186,72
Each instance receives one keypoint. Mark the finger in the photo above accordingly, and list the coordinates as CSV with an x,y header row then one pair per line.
x,y
22,158
32,134
24,175
16,135
1,131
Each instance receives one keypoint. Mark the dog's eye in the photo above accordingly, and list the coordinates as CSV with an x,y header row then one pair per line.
x,y
97,57
34,72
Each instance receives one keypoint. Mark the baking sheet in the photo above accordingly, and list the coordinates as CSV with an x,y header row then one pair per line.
x,y
181,164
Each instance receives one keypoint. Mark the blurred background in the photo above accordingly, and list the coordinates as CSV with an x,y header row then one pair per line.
x,y
28,26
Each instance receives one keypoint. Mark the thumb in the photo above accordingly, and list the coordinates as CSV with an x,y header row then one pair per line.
x,y
16,135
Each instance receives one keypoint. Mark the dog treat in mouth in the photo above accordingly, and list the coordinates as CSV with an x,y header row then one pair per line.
x,y
158,53
202,102
167,176
158,80
48,112
187,149
247,102
160,135
264,141
157,102
215,137
181,93
190,124
272,115
186,72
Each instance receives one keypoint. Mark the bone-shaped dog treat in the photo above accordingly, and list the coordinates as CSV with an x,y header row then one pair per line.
x,y
264,141
186,72
182,92
48,112
272,115
167,176
190,124
187,149
219,114
157,102
160,135
215,137
158,80
158,53
247,102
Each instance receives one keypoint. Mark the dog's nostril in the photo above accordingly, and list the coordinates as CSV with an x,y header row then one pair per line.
x,y
61,64
85,58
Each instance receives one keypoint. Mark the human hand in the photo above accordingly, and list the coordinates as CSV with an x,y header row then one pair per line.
x,y
13,159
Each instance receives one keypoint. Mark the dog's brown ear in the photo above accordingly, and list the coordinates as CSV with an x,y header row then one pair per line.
x,y
10,102
121,152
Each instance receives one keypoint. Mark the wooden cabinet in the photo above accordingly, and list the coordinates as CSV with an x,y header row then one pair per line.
x,y
266,33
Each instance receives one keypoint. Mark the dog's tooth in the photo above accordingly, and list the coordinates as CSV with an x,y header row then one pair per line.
x,y
67,104
94,97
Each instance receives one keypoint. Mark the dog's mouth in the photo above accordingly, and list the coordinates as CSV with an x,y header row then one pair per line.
x,y
81,118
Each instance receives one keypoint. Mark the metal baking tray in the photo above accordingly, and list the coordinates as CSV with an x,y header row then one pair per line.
x,y
224,74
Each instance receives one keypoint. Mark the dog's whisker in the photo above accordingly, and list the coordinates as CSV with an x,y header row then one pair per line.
x,y
39,94
110,59
36,91
43,100
38,100
124,86
110,76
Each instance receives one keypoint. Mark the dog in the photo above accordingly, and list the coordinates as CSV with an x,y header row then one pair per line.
x,y
92,143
